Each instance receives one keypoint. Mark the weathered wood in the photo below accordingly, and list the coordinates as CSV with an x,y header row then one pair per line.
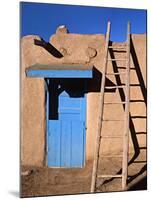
x,y
114,87
116,120
117,47
127,108
57,71
125,137
111,136
111,156
117,102
110,176
97,145
117,73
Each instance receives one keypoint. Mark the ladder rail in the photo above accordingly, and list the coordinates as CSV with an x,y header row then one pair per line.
x,y
125,153
127,110
97,147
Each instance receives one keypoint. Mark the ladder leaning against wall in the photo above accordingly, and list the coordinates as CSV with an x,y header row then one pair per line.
x,y
125,135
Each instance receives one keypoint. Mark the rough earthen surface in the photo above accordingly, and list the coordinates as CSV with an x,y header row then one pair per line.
x,y
45,181
75,49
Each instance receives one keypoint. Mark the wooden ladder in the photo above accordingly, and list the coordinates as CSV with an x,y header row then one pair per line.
x,y
125,136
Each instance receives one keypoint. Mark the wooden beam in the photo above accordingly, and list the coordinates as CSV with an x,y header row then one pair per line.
x,y
57,71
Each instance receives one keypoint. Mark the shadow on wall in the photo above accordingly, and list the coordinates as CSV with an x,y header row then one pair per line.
x,y
131,178
75,88
143,183
140,185
48,47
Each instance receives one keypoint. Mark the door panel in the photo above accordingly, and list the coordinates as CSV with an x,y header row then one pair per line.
x,y
66,124
77,142
66,102
53,142
65,144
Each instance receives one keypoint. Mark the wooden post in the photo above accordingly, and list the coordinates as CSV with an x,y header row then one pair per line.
x,y
99,127
127,110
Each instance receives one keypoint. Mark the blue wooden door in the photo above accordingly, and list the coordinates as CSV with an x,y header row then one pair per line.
x,y
66,118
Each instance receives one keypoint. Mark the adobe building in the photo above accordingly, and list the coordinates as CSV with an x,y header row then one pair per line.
x,y
72,94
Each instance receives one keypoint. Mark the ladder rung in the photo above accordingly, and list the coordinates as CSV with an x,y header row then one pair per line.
x,y
111,136
112,120
120,102
114,59
110,176
117,73
111,156
117,47
114,87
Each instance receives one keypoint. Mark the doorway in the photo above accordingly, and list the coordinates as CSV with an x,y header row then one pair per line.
x,y
66,122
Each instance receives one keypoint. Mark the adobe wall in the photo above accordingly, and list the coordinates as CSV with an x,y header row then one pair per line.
x,y
81,49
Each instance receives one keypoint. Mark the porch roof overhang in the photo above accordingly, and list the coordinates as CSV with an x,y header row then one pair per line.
x,y
60,71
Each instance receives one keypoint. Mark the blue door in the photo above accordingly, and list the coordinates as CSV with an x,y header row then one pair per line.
x,y
66,118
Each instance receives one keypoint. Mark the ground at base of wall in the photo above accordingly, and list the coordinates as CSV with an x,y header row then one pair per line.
x,y
43,181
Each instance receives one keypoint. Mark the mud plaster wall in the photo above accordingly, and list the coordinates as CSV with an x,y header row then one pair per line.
x,y
83,49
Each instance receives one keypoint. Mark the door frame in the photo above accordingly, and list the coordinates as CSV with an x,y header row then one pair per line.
x,y
47,80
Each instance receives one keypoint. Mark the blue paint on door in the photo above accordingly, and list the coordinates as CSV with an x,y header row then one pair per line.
x,y
66,118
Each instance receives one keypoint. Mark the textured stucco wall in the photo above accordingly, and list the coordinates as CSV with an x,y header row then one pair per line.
x,y
81,49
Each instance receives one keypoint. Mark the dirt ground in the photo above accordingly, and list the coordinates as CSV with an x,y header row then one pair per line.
x,y
43,181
